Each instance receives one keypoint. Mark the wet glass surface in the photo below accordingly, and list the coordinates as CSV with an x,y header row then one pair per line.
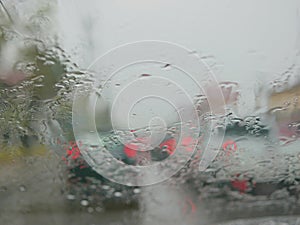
x,y
69,129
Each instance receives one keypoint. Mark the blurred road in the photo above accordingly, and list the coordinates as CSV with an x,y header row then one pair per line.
x,y
32,191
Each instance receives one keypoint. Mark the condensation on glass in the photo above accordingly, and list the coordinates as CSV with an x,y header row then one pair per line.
x,y
46,55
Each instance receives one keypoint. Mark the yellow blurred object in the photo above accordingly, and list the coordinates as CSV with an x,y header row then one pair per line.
x,y
288,101
10,154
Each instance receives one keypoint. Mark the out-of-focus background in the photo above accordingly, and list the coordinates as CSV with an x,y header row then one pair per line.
x,y
46,49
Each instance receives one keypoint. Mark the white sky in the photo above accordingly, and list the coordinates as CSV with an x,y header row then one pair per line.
x,y
248,39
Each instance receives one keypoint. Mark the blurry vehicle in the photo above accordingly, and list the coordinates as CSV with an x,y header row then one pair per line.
x,y
132,153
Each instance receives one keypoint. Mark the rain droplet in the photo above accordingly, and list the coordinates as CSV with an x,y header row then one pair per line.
x,y
71,197
90,210
167,66
84,202
98,209
105,187
276,109
22,188
145,75
136,191
118,194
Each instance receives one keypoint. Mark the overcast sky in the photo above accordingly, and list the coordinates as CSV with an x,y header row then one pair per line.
x,y
248,39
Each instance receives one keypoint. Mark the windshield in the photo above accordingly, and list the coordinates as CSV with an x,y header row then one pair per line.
x,y
149,112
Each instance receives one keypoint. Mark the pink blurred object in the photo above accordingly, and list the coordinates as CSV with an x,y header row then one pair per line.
x,y
230,93
12,78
